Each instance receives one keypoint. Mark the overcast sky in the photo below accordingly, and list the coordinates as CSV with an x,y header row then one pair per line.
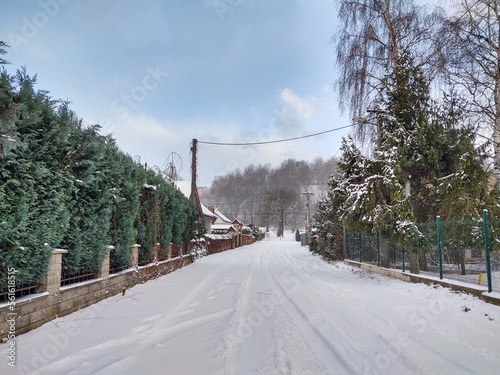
x,y
157,74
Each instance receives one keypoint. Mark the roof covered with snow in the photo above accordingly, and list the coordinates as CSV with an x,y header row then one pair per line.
x,y
207,212
223,218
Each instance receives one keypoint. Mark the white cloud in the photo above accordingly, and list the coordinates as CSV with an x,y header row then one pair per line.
x,y
141,127
153,140
300,105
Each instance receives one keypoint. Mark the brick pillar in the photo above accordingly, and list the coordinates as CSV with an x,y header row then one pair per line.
x,y
134,255
104,271
52,282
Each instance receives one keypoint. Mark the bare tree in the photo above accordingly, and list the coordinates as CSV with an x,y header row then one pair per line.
x,y
372,34
474,62
268,196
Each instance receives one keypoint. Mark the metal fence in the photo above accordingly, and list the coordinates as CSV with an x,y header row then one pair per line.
x,y
465,250
7,294
78,277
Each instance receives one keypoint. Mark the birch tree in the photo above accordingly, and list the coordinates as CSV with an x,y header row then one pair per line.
x,y
473,62
372,34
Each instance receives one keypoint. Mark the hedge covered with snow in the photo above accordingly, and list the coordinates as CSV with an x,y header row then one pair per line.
x,y
64,185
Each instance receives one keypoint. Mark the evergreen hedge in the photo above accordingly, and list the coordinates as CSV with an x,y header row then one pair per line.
x,y
64,185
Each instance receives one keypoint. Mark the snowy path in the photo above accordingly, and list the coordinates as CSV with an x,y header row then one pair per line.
x,y
269,308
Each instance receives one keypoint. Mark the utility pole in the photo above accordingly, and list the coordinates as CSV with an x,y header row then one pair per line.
x,y
193,197
378,112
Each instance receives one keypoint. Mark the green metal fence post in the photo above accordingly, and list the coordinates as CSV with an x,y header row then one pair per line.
x,y
378,248
440,251
403,255
345,244
487,249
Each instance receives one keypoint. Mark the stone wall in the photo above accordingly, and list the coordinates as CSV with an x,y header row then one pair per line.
x,y
478,291
30,312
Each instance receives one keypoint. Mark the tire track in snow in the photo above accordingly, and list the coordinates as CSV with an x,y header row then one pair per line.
x,y
302,316
253,337
150,331
381,340
111,361
337,331
226,349
395,344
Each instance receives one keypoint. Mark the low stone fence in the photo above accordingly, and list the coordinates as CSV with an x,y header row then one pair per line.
x,y
478,291
53,300
27,313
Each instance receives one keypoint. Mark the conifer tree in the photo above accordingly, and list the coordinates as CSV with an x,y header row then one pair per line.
x,y
125,176
3,51
33,214
168,210
420,147
64,185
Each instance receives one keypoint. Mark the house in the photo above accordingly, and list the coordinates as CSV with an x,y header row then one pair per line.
x,y
208,216
238,224
223,229
221,218
223,225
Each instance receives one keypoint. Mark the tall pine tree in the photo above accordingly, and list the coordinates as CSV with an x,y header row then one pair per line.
x,y
424,156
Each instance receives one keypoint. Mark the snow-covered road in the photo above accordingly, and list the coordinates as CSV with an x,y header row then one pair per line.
x,y
269,308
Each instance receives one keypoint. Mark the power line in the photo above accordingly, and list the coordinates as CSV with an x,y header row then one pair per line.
x,y
275,141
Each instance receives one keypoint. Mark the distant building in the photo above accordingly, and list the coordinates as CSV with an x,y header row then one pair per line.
x,y
221,225
221,218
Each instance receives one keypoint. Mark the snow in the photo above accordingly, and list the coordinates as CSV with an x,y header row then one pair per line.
x,y
219,236
150,187
269,308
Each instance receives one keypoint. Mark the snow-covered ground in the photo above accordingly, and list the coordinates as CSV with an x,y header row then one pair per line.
x,y
269,308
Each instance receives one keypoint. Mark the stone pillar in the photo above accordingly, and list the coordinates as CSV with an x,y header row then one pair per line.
x,y
52,282
156,251
104,271
134,255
